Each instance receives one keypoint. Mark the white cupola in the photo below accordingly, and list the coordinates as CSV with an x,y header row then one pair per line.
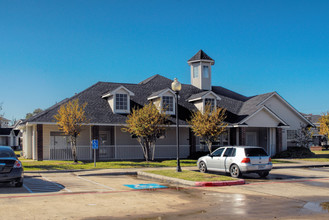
x,y
201,70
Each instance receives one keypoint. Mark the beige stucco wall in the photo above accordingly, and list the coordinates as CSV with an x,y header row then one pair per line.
x,y
263,119
124,138
287,114
83,139
200,81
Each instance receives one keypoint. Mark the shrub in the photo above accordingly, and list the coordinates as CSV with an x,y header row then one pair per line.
x,y
295,152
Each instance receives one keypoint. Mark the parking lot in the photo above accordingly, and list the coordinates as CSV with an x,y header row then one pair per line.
x,y
71,183
286,193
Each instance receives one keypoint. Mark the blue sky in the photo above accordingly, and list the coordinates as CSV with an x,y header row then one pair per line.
x,y
50,50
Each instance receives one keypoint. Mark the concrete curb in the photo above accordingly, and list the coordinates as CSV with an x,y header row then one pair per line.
x,y
172,180
221,183
300,166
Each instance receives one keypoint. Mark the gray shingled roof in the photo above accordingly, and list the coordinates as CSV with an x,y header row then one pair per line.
x,y
198,95
200,55
251,105
99,112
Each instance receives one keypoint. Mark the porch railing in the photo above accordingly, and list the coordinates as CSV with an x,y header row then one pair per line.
x,y
119,152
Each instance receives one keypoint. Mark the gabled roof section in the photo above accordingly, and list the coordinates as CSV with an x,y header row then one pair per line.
x,y
288,104
252,104
281,121
201,95
160,93
111,93
201,56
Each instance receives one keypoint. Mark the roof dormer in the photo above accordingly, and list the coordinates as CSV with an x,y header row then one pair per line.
x,y
200,100
119,99
164,99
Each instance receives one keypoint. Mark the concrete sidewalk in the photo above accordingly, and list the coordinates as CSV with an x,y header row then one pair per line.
x,y
298,163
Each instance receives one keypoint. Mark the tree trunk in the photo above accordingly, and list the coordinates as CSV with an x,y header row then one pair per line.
x,y
209,143
153,150
74,148
146,150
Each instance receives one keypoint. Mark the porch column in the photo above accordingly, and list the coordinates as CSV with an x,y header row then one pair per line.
x,y
192,142
28,142
34,142
278,140
242,136
39,142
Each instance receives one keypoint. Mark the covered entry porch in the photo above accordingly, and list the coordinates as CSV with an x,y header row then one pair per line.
x,y
263,128
47,142
268,138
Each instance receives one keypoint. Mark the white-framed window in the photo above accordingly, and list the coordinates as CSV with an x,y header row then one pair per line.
x,y
195,71
168,103
121,102
210,101
205,71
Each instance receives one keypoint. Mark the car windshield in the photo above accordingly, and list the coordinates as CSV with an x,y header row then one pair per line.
x,y
253,152
7,153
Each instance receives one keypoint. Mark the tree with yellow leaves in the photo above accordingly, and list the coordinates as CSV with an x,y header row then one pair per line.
x,y
324,125
208,124
70,119
147,124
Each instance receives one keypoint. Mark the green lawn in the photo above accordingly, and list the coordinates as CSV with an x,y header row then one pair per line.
x,y
321,156
192,175
321,152
276,161
316,159
69,165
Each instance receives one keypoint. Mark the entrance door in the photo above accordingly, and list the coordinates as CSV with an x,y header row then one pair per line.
x,y
251,139
106,150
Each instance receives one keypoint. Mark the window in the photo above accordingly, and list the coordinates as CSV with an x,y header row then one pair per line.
x,y
291,134
211,102
121,101
230,152
195,72
168,103
7,153
218,152
206,71
255,152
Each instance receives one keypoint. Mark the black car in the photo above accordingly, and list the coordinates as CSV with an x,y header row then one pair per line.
x,y
11,169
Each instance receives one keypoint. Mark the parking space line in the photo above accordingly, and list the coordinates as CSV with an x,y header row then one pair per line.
x,y
95,183
27,188
56,184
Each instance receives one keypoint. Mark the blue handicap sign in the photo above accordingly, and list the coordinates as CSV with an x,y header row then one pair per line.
x,y
146,186
95,144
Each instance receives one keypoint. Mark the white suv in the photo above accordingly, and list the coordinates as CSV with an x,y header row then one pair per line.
x,y
237,160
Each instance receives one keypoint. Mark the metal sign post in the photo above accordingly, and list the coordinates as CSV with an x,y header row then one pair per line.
x,y
95,147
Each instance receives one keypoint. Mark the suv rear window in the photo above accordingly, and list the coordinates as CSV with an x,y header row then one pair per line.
x,y
254,152
7,153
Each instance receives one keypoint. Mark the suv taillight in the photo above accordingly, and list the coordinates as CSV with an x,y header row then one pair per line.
x,y
17,164
245,160
269,160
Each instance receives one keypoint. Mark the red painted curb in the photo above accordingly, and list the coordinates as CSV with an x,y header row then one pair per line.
x,y
220,183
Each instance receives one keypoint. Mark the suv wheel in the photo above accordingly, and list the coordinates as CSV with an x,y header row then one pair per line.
x,y
202,167
235,171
